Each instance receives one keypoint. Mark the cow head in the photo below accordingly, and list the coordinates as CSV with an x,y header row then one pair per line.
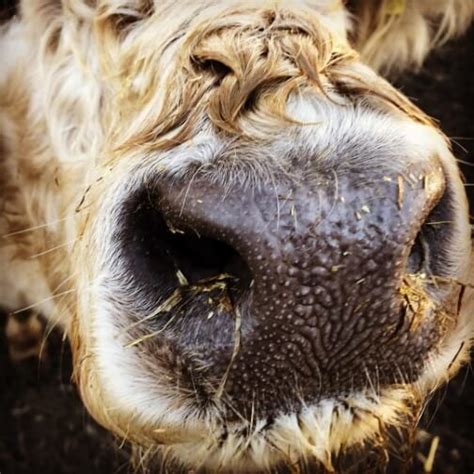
x,y
261,246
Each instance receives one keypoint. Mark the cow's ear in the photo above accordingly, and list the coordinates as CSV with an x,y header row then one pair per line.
x,y
393,35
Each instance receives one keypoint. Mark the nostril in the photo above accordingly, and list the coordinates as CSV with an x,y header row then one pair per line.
x,y
163,255
419,255
429,253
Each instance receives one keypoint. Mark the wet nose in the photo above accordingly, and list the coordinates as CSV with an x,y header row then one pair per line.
x,y
297,286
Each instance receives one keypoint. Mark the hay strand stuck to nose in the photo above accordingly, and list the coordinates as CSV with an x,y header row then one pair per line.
x,y
401,192
416,298
164,307
185,292
420,303
235,351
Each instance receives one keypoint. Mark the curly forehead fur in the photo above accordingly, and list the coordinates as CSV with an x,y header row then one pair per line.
x,y
233,62
96,96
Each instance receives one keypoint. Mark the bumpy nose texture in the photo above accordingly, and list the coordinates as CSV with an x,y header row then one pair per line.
x,y
324,312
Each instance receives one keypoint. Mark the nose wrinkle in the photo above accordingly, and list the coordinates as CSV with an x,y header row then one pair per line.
x,y
327,263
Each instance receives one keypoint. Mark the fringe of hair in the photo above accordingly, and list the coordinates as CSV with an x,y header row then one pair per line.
x,y
395,35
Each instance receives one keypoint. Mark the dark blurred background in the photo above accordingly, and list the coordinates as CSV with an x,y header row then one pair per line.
x,y
45,429
444,88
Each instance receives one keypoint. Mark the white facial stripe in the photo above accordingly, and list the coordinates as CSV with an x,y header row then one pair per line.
x,y
357,135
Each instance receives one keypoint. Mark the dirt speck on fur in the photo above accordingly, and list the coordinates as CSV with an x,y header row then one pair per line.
x,y
45,429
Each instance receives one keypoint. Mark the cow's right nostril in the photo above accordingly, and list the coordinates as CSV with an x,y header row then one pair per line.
x,y
163,255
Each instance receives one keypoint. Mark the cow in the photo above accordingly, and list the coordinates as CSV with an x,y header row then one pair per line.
x,y
258,248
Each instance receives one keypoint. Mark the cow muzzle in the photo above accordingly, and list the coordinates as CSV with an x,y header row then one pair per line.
x,y
286,292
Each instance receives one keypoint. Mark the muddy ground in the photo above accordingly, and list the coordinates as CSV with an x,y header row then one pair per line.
x,y
44,428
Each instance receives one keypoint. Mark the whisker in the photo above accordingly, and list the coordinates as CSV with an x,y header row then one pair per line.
x,y
277,200
463,148
439,222
237,334
440,279
234,410
52,323
183,205
33,228
458,352
72,275
464,162
45,300
57,247
150,335
166,306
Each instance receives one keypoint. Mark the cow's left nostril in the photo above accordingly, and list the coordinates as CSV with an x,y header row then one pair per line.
x,y
428,254
419,255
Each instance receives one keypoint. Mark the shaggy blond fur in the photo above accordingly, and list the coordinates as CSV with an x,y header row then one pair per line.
x,y
97,95
392,35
